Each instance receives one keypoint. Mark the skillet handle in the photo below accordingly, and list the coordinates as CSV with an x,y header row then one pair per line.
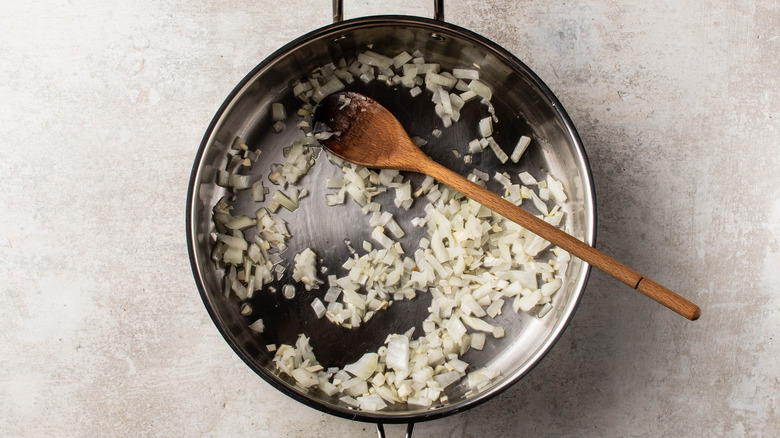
x,y
380,430
438,10
338,10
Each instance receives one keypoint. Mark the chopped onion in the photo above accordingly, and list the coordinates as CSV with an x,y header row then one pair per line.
x,y
372,402
240,222
278,112
288,291
521,146
401,59
257,326
304,378
526,303
447,379
398,353
538,203
332,294
556,189
319,308
480,377
500,154
365,367
305,270
258,191
379,236
464,73
471,260
372,58
283,200
486,127
334,85
480,89
527,179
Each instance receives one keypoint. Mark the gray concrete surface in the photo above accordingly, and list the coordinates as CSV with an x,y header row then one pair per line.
x,y
103,104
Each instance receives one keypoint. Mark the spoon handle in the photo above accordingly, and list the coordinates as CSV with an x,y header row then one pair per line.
x,y
587,253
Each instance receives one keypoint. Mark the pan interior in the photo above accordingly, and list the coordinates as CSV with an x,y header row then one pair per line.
x,y
523,106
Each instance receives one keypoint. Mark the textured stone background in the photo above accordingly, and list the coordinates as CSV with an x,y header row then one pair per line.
x,y
103,104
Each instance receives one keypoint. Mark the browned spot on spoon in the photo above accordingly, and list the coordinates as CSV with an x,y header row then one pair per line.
x,y
371,136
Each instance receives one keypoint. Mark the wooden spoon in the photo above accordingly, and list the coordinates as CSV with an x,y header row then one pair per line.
x,y
371,136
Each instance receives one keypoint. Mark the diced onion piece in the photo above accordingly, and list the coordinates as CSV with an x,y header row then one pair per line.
x,y
471,307
503,178
477,341
401,59
433,78
257,326
397,353
467,96
371,402
477,324
395,229
240,182
319,308
304,378
500,154
475,146
278,112
446,103
283,200
239,143
305,270
379,236
375,59
486,127
521,146
495,308
480,377
465,73
332,294
527,302
556,189
332,86
548,289
538,203
527,179
258,191
350,401
429,68
240,222
480,89
447,379
233,242
365,367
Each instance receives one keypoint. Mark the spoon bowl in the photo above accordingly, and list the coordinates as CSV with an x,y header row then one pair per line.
x,y
366,133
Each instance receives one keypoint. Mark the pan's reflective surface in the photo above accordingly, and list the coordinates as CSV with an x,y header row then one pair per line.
x,y
523,105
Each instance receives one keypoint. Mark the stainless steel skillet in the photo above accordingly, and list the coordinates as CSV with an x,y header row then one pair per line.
x,y
523,104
